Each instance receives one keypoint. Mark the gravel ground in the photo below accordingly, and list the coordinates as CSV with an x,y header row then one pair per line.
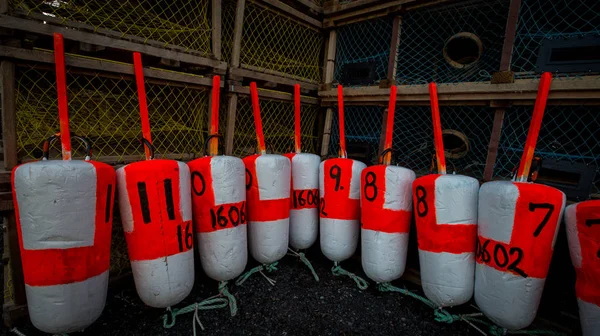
x,y
296,305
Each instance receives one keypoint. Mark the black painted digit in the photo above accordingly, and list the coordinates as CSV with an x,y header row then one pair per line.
x,y
221,220
500,248
370,185
143,194
169,199
213,219
295,198
189,238
310,199
322,202
547,206
301,199
422,208
248,179
513,265
243,213
336,173
485,254
197,175
179,238
108,204
235,210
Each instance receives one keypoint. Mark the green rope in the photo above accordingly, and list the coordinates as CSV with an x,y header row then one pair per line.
x,y
210,303
305,261
499,331
232,302
269,268
337,270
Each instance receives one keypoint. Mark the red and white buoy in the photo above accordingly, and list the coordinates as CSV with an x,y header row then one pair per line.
x,y
267,196
219,206
64,212
386,211
339,184
583,232
304,198
156,212
518,224
446,220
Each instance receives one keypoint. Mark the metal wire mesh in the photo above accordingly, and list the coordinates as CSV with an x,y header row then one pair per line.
x,y
541,20
273,41
227,25
413,135
182,23
568,133
424,33
367,43
104,108
278,127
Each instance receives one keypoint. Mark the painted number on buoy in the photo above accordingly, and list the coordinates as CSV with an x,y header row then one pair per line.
x,y
304,199
336,173
550,209
144,204
228,215
501,256
422,208
370,188
185,237
589,223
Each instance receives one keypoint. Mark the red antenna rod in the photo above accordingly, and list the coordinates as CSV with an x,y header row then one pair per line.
x,y
343,153
141,91
257,121
297,117
61,88
437,129
534,127
387,159
214,119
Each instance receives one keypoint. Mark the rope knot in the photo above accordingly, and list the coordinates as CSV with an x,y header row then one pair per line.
x,y
305,261
337,270
232,302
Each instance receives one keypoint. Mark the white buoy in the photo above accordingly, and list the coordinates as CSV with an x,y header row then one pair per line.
x,y
583,232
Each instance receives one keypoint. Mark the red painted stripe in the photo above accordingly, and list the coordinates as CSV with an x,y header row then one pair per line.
x,y
262,210
161,236
51,267
431,235
336,202
207,216
61,88
588,275
302,198
536,250
373,215
141,91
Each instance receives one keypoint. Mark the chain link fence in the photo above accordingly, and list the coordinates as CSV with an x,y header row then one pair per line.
x,y
104,108
460,42
568,134
362,52
179,23
466,130
272,41
278,127
543,21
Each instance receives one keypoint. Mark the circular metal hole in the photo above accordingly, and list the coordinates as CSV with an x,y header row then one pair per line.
x,y
463,50
456,144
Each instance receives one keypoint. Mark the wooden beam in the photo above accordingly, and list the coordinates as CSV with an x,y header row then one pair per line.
x,y
3,6
9,114
586,87
311,5
273,94
216,28
337,7
395,42
326,133
102,65
364,13
294,12
231,115
330,60
237,33
505,60
76,35
246,73
280,74
14,255
509,34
